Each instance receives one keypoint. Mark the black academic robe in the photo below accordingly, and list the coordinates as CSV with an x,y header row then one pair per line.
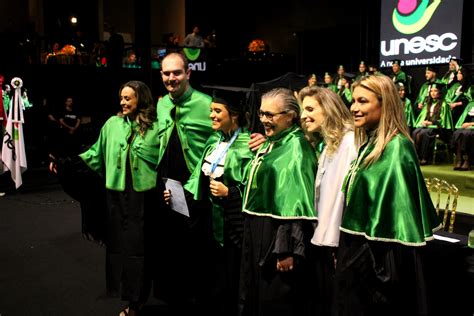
x,y
183,255
265,290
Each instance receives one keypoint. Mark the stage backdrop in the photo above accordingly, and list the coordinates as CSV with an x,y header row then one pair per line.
x,y
420,32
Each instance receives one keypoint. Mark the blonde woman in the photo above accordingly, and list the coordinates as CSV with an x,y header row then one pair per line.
x,y
389,215
326,117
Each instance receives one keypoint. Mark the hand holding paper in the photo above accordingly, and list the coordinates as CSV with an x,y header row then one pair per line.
x,y
174,196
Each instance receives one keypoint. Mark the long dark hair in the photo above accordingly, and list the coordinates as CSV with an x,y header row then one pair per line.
x,y
146,110
466,80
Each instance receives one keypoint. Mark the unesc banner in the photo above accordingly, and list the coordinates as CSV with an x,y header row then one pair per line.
x,y
420,32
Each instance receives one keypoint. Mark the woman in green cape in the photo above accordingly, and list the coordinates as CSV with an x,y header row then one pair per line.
x,y
463,139
279,211
434,120
459,93
407,106
388,217
126,155
220,177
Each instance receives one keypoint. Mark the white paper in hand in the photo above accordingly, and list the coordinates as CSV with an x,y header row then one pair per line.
x,y
178,199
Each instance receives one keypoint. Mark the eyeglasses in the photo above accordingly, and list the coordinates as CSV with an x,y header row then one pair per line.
x,y
270,115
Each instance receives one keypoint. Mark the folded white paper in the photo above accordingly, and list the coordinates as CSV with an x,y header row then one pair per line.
x,y
178,199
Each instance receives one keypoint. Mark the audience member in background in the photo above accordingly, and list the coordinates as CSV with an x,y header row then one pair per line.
x,y
407,106
434,120
389,215
459,94
328,82
345,91
131,61
340,74
220,177
312,80
463,139
374,70
326,119
69,121
453,67
424,92
398,75
194,39
362,72
211,40
115,49
126,155
279,210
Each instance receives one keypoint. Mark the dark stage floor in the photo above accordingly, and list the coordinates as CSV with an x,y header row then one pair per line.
x,y
46,267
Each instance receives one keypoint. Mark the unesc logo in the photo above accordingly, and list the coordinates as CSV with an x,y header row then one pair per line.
x,y
407,18
410,17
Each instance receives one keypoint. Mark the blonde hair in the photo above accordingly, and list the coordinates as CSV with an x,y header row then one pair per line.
x,y
337,118
392,118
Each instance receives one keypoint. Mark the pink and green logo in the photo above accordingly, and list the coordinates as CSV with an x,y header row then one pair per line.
x,y
410,17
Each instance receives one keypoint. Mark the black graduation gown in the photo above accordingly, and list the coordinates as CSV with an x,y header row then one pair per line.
x,y
183,253
263,289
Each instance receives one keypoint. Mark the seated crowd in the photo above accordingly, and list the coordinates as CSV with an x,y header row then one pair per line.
x,y
441,111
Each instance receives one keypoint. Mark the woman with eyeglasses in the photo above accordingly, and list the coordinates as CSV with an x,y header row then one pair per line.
x,y
278,212
327,120
388,216
220,177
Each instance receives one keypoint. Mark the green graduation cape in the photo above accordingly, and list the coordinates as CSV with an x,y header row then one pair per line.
x,y
463,116
445,117
281,178
237,159
388,200
109,155
192,123
451,96
331,86
409,113
401,76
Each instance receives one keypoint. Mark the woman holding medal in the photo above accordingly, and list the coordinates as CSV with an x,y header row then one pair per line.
x,y
388,216
279,212
220,176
